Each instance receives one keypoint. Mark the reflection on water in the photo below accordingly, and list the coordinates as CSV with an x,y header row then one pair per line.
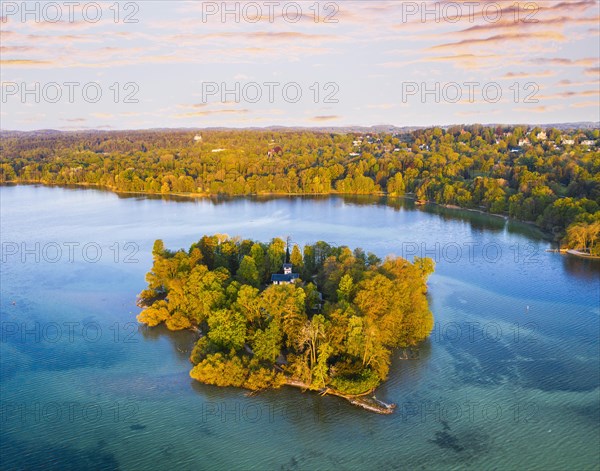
x,y
578,267
182,341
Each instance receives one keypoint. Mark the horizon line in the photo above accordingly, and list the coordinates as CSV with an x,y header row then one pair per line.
x,y
335,127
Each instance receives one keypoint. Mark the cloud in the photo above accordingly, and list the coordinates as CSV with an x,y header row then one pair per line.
x,y
570,83
569,94
23,62
323,118
111,58
199,114
584,62
195,105
538,109
525,75
467,61
585,104
498,39
46,39
508,25
263,37
15,49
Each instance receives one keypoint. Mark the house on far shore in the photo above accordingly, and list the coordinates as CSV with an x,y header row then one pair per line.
x,y
287,277
275,151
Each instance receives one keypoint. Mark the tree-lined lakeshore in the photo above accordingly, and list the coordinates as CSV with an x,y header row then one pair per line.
x,y
322,318
547,176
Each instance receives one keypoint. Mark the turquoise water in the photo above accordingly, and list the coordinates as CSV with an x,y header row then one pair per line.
x,y
508,380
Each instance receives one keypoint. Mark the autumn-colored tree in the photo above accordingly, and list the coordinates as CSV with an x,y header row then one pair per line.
x,y
248,273
276,255
227,328
296,258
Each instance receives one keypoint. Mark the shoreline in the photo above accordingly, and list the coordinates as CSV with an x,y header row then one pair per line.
x,y
371,404
574,253
209,196
577,253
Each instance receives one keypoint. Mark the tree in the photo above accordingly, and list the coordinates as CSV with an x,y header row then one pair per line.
x,y
373,353
158,249
396,185
374,296
248,274
248,304
208,246
267,343
219,370
584,237
276,255
320,376
296,258
355,339
257,252
285,303
311,335
577,236
154,314
204,292
312,298
227,328
178,321
346,288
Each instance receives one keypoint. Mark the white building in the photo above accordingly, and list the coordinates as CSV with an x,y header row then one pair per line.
x,y
287,277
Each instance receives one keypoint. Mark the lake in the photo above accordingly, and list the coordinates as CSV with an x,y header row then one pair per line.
x,y
509,378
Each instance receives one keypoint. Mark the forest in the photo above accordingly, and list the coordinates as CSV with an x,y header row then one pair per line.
x,y
332,329
545,176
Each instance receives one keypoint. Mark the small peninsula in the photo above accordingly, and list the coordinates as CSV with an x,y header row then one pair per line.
x,y
322,318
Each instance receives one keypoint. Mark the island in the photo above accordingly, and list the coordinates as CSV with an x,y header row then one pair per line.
x,y
321,318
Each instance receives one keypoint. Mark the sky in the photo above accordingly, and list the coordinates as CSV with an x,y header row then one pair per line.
x,y
151,64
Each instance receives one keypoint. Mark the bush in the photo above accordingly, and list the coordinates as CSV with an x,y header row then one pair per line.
x,y
263,378
360,383
219,370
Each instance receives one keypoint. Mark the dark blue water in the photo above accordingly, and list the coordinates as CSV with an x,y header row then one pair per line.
x,y
508,380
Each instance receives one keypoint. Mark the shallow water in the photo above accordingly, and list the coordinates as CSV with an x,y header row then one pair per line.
x,y
509,378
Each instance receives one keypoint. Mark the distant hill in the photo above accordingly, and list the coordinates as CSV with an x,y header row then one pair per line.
x,y
380,128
